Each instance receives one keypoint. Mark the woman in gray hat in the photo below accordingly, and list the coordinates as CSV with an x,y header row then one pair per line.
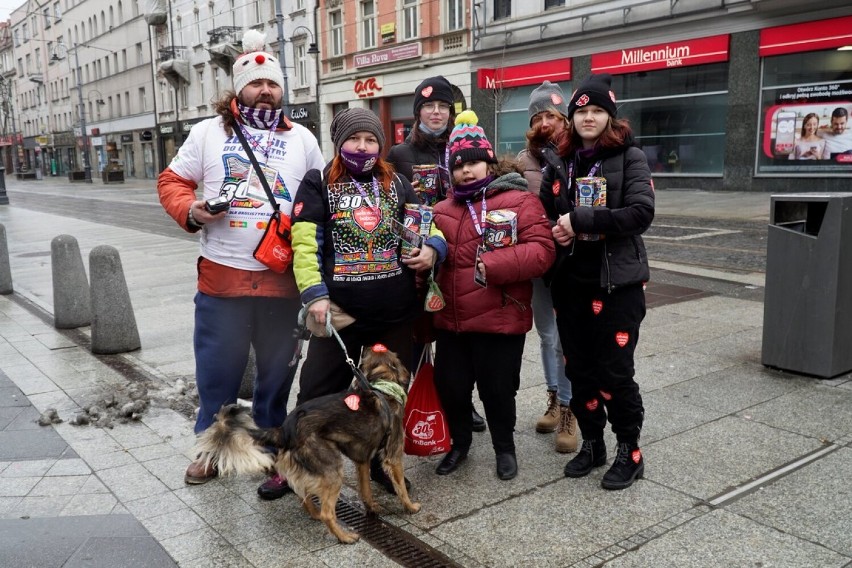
x,y
346,251
548,112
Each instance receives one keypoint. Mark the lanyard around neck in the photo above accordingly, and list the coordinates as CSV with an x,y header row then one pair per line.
x,y
254,144
477,223
594,169
376,193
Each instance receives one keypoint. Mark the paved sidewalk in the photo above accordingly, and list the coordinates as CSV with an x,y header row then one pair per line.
x,y
717,421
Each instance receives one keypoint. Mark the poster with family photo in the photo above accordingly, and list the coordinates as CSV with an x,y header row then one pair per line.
x,y
808,130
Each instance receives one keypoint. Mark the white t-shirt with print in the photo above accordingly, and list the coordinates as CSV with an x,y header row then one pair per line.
x,y
219,164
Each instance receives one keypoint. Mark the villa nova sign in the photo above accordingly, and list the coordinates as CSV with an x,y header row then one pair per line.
x,y
388,55
661,56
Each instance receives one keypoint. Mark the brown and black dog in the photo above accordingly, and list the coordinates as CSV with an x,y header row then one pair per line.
x,y
358,423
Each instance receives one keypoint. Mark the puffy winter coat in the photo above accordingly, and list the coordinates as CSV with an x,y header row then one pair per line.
x,y
405,156
628,213
503,306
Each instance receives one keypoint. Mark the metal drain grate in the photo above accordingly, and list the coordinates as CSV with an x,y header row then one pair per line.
x,y
393,542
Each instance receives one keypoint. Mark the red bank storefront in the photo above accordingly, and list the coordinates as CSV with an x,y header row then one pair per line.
x,y
806,99
675,95
510,88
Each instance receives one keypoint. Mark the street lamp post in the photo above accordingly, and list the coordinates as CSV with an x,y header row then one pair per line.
x,y
87,166
313,50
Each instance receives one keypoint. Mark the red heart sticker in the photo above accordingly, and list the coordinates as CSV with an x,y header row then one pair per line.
x,y
555,99
426,91
366,218
583,101
557,187
298,209
636,455
379,348
605,395
592,405
597,306
621,338
353,401
612,96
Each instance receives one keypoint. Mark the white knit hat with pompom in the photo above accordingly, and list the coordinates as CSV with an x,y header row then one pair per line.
x,y
256,63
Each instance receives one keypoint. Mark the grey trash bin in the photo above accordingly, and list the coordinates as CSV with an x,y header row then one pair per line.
x,y
807,317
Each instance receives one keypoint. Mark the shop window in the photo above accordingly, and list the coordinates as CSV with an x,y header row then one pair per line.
x,y
805,125
678,116
513,118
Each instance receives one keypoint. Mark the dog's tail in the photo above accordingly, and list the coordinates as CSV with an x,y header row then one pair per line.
x,y
234,443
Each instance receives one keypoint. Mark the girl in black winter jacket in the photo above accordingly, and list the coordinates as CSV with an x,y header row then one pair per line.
x,y
598,280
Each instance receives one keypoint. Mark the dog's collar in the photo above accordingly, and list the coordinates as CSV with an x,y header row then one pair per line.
x,y
391,389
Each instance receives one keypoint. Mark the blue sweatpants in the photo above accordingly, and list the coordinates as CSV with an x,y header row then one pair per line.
x,y
225,328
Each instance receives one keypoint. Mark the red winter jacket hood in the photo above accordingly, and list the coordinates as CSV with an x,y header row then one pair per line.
x,y
504,305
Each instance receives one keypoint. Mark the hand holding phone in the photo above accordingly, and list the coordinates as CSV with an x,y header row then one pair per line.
x,y
217,204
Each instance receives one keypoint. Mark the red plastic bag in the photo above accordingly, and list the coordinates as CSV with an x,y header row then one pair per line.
x,y
426,429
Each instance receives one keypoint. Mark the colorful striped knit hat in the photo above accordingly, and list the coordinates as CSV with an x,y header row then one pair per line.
x,y
468,142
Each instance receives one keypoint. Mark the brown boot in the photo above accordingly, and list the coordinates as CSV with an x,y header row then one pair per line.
x,y
566,432
198,472
549,421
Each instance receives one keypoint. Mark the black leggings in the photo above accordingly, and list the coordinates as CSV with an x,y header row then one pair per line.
x,y
599,332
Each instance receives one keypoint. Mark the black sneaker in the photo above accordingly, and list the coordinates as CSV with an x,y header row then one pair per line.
x,y
273,488
478,421
629,465
377,474
591,455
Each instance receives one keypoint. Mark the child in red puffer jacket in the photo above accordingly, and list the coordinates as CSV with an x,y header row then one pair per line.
x,y
498,239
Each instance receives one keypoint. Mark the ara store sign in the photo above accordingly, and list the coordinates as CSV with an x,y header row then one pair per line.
x,y
698,51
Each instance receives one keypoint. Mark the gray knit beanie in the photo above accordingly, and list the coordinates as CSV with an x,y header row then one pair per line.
x,y
545,96
351,120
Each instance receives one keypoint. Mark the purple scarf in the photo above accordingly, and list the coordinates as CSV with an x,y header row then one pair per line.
x,y
259,118
467,191
358,162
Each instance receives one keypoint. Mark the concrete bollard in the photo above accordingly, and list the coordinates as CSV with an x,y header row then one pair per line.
x,y
72,306
113,323
5,269
4,199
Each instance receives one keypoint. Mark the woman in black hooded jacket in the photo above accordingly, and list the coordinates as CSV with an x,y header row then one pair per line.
x,y
599,276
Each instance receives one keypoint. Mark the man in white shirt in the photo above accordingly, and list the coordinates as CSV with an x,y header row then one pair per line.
x,y
240,303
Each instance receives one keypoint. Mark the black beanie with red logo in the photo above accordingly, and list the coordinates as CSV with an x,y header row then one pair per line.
x,y
595,90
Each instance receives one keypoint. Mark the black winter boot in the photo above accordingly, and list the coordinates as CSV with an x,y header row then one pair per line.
x,y
629,465
591,455
377,474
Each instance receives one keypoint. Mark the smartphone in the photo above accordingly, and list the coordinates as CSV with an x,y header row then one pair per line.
x,y
785,132
217,204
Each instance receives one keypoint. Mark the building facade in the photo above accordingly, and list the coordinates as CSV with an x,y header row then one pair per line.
x,y
81,74
375,52
717,93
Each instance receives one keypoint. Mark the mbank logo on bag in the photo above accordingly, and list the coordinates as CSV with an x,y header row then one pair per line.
x,y
423,429
427,430
280,253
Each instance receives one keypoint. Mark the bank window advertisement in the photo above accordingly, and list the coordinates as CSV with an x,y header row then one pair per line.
x,y
805,125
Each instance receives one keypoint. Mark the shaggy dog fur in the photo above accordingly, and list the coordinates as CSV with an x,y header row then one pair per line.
x,y
315,437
